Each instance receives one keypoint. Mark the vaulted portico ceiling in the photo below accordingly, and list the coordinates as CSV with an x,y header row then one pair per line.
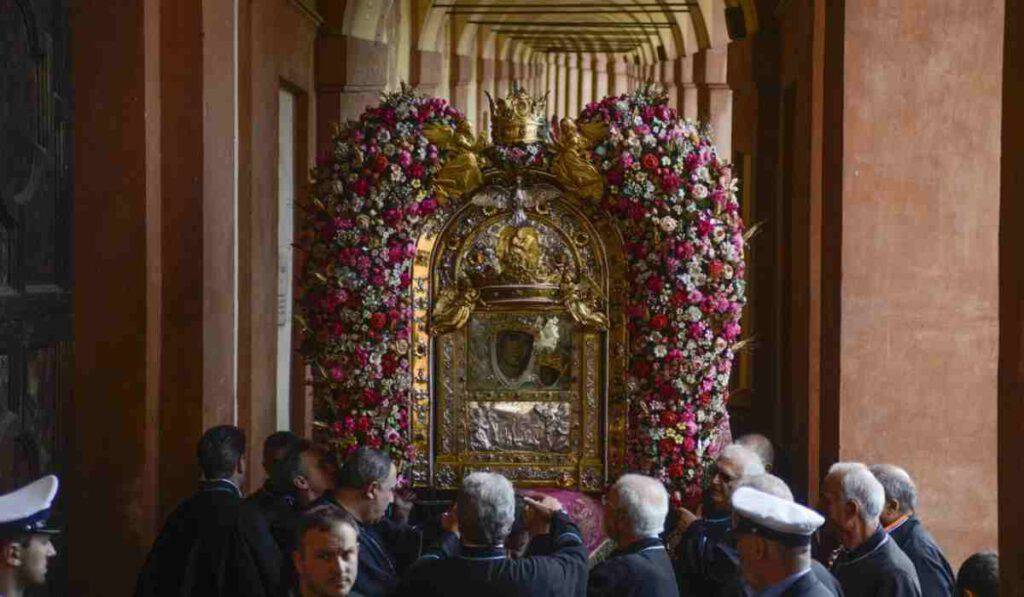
x,y
644,31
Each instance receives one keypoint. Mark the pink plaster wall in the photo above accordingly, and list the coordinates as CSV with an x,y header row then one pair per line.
x,y
920,211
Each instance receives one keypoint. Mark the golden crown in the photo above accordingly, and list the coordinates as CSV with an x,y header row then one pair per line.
x,y
518,118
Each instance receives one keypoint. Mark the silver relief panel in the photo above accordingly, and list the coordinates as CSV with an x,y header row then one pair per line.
x,y
519,426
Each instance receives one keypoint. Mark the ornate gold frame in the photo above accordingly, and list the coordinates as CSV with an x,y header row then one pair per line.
x,y
601,442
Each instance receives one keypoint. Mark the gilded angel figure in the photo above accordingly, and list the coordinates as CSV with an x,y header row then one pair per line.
x,y
461,171
571,165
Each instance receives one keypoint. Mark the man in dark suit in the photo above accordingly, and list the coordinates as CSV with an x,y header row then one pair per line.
x,y
906,529
365,489
870,562
213,543
634,517
773,538
478,564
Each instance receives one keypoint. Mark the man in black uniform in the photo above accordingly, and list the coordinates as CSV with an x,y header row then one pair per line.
x,y
634,517
699,545
366,487
898,517
870,563
213,543
479,564
276,499
773,537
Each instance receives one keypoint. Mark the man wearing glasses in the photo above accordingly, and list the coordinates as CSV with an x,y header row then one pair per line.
x,y
704,561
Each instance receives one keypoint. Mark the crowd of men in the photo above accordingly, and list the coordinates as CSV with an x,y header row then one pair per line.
x,y
319,527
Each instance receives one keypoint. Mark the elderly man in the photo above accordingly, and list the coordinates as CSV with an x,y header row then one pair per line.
x,y
634,517
898,517
871,563
326,556
774,486
25,547
477,563
366,487
760,445
214,543
773,538
703,562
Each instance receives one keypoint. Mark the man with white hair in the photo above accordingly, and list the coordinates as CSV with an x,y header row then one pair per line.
x,y
871,563
471,558
634,516
703,562
760,445
906,530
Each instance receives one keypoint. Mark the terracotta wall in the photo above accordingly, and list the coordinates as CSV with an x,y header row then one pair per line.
x,y
164,144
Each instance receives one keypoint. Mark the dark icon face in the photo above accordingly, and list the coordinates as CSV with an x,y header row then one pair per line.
x,y
513,350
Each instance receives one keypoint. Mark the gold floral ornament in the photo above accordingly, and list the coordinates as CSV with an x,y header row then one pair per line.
x,y
571,165
461,171
583,301
518,118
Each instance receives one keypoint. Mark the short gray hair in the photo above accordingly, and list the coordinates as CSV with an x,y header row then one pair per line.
x,y
860,487
364,466
642,504
750,462
487,508
769,484
760,445
897,485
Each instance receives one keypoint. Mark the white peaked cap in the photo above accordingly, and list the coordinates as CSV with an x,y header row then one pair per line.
x,y
774,513
26,509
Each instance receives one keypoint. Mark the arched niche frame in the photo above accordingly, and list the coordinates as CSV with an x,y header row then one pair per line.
x,y
442,399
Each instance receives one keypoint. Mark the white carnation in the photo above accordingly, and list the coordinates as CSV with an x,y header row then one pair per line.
x,y
699,191
668,224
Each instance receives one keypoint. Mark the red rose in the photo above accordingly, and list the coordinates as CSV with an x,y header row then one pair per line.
x,y
416,170
678,298
650,162
659,321
676,471
380,163
715,269
666,446
378,321
654,283
363,424
669,418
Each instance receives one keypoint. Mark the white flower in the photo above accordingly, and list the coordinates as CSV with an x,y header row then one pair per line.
x,y
699,191
727,272
660,351
703,174
668,224
692,313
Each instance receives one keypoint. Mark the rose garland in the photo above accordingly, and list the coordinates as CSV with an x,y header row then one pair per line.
x,y
677,207
676,204
370,193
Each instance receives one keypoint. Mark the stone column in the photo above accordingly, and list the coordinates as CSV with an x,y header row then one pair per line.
x,y
551,84
350,75
502,77
714,98
563,85
687,88
666,77
600,76
618,75
572,95
484,82
586,80
426,72
460,71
